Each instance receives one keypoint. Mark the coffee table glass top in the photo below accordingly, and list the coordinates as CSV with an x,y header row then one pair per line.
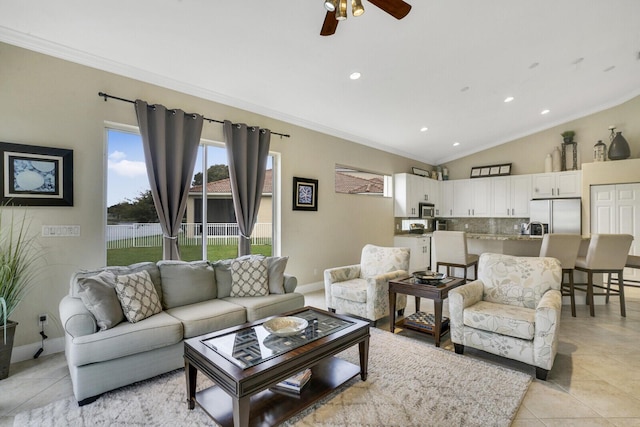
x,y
251,346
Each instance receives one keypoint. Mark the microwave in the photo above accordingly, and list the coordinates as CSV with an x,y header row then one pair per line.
x,y
427,210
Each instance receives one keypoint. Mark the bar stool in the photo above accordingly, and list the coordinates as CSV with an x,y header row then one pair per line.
x,y
607,253
633,261
451,251
563,247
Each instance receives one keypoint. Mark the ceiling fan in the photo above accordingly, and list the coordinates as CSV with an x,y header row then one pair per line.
x,y
337,11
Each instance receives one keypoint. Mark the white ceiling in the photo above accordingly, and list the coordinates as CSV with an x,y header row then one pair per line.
x,y
268,57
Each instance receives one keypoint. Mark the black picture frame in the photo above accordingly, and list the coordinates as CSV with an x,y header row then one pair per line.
x,y
491,170
305,194
36,176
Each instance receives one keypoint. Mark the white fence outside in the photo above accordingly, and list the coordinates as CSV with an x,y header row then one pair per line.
x,y
139,235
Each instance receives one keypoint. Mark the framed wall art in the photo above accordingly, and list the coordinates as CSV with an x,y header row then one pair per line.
x,y
305,194
491,170
36,176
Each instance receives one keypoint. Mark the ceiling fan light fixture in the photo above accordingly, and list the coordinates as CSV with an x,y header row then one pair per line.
x,y
356,7
330,5
341,10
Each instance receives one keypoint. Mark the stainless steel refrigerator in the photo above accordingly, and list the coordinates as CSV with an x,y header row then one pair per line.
x,y
561,215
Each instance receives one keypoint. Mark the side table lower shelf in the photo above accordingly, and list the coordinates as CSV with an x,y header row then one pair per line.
x,y
270,408
423,322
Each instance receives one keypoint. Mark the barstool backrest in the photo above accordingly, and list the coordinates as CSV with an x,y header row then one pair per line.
x,y
564,247
450,246
608,251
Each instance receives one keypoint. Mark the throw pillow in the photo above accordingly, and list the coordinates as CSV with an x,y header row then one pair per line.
x,y
98,294
138,296
276,267
249,277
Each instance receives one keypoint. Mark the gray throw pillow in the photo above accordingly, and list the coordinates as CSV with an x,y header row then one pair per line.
x,y
138,296
249,277
185,283
98,294
276,266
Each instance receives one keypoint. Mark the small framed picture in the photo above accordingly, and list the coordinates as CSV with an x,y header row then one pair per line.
x,y
420,172
485,171
305,194
475,172
36,176
505,169
495,170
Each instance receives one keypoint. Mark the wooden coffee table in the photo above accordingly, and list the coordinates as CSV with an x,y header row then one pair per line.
x,y
244,361
437,293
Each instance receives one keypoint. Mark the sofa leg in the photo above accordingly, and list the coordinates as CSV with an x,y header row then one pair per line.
x,y
88,400
333,310
541,374
401,312
459,348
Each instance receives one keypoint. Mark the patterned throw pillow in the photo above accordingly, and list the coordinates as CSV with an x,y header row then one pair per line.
x,y
138,296
249,277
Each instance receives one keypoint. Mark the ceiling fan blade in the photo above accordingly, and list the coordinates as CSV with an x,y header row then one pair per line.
x,y
329,25
396,8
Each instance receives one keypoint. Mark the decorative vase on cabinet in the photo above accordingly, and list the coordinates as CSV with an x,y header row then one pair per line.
x,y
619,148
556,159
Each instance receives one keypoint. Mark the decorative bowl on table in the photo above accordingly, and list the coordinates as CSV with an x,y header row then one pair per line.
x,y
285,326
428,277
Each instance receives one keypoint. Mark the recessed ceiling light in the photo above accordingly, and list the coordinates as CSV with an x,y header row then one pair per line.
x,y
424,129
544,112
508,99
455,144
355,76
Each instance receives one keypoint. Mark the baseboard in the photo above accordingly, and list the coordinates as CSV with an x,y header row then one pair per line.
x,y
26,352
310,287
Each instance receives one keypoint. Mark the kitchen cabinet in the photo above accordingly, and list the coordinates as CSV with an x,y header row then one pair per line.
x,y
446,199
409,191
510,196
472,197
556,184
615,209
420,247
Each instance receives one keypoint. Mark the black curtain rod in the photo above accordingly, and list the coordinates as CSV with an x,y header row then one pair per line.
x,y
106,96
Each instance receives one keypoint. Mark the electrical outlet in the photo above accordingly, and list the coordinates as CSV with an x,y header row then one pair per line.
x,y
466,226
515,227
315,271
43,320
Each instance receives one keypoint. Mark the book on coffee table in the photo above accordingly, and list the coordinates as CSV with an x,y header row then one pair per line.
x,y
294,383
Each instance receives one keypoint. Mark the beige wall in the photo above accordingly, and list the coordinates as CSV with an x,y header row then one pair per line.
x,y
54,103
527,154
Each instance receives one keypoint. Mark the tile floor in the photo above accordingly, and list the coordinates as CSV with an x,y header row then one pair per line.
x,y
595,380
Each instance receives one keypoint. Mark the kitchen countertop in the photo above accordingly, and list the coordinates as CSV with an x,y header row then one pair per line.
x,y
482,236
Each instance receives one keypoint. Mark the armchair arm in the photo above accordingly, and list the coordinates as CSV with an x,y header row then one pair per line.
x,y
378,293
75,318
290,283
459,299
338,274
547,320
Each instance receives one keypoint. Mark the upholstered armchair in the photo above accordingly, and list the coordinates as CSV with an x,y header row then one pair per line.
x,y
363,289
512,310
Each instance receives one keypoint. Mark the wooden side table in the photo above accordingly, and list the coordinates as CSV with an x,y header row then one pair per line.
x,y
437,293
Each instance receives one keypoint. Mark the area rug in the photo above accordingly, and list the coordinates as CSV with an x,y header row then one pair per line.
x,y
410,383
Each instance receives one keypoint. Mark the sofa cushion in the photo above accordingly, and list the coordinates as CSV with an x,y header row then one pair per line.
x,y
208,316
154,332
137,296
98,294
352,290
185,283
269,305
510,320
150,267
249,277
276,266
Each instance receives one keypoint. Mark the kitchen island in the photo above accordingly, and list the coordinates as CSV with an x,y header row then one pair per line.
x,y
509,244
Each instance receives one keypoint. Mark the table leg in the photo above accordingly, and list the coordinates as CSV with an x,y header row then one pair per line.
x,y
417,304
364,358
190,372
437,304
241,411
392,311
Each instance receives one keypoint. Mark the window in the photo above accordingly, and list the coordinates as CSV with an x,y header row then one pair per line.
x,y
133,231
356,181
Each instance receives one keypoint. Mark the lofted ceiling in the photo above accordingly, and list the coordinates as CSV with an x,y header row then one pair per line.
x,y
448,66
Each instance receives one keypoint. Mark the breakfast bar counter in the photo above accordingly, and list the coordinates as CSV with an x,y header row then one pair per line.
x,y
509,244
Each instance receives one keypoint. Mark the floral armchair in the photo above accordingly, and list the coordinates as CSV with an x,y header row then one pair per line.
x,y
512,310
363,289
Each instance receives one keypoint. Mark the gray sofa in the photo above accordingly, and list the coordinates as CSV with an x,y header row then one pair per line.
x,y
195,298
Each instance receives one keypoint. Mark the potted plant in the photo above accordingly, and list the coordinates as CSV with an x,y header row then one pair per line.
x,y
567,136
18,268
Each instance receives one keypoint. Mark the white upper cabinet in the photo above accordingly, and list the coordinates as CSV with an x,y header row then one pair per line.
x,y
410,190
511,196
556,184
446,199
472,197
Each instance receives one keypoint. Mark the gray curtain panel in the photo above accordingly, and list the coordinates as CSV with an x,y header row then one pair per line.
x,y
247,151
170,139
